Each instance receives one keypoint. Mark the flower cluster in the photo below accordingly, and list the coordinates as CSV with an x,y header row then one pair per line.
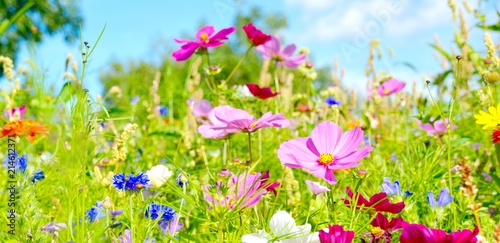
x,y
130,183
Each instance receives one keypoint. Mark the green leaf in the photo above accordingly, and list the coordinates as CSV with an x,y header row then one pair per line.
x,y
166,134
67,92
443,52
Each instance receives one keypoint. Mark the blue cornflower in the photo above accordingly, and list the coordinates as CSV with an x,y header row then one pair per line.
x,y
98,212
367,140
20,162
332,101
394,157
38,176
443,199
131,183
162,110
156,210
134,100
181,180
92,214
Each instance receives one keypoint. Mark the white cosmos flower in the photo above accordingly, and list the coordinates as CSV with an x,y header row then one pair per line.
x,y
283,226
158,175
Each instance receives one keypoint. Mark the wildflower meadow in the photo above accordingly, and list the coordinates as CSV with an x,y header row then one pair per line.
x,y
237,136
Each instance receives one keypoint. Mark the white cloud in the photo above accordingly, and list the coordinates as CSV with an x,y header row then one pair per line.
x,y
334,20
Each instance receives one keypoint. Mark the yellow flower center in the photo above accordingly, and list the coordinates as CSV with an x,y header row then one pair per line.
x,y
377,232
204,37
325,159
386,91
139,186
253,124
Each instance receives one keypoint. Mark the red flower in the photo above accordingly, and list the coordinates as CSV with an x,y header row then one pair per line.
x,y
269,186
416,233
381,221
262,93
335,234
495,135
378,202
256,36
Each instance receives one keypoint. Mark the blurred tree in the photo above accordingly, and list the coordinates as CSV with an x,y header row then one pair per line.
x,y
30,20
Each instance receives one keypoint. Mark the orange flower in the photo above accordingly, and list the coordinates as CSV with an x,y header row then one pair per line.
x,y
495,136
12,129
33,128
19,128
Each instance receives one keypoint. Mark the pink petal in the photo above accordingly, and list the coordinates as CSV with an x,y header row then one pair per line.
x,y
223,33
325,136
294,62
354,157
186,51
208,30
295,150
348,143
289,50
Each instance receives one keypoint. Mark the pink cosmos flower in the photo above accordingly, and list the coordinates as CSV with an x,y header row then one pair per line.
x,y
437,126
390,86
271,50
199,108
378,202
335,234
416,233
205,38
242,191
255,36
15,113
325,151
317,188
208,130
239,119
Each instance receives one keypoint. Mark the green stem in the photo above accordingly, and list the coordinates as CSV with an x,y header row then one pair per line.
x,y
8,22
239,64
250,146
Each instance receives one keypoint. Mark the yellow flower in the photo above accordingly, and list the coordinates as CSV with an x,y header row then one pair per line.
x,y
489,120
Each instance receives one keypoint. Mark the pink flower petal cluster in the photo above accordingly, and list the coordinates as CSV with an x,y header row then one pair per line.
x,y
15,113
241,120
335,234
271,50
207,129
242,191
416,233
255,36
390,86
199,108
206,37
325,151
435,127
316,188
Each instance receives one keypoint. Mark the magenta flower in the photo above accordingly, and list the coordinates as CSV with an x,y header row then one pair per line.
x,y
199,108
242,191
416,233
435,127
317,188
325,151
208,130
15,113
205,38
255,36
336,234
239,119
382,228
378,202
271,50
390,86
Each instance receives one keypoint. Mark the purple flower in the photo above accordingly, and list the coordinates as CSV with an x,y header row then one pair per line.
x,y
52,228
134,100
435,127
126,237
199,108
332,101
15,113
205,38
390,86
155,211
271,50
390,188
443,199
130,183
317,188
171,226
336,234
487,177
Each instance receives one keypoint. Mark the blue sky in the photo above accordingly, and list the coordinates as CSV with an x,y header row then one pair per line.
x,y
328,28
